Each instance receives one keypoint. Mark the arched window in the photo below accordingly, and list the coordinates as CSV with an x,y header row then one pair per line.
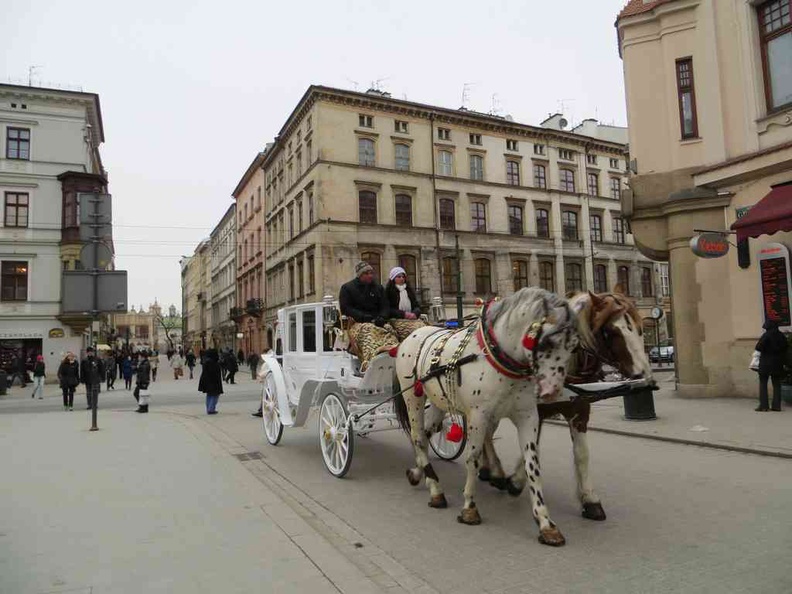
x,y
547,276
447,214
367,207
515,219
593,184
542,222
569,223
478,217
408,262
375,261
513,173
566,179
483,276
615,188
366,152
647,288
540,176
574,277
446,163
450,284
402,157
403,210
618,229
476,167
600,278
596,227
623,278
520,274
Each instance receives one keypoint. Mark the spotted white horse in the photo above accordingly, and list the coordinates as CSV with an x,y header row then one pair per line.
x,y
611,333
517,350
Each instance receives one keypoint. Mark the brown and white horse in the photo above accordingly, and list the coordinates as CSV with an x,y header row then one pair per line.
x,y
516,351
611,334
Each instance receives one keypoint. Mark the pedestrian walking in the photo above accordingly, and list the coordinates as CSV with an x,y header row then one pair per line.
x,y
69,379
772,348
177,364
154,362
190,360
211,382
92,372
253,361
111,372
240,357
38,378
126,371
18,368
143,379
231,367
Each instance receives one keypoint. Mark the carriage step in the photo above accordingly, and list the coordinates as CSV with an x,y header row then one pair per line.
x,y
248,456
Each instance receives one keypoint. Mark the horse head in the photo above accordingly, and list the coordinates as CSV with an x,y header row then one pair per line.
x,y
612,329
537,329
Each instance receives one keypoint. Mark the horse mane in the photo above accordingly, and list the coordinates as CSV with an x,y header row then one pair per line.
x,y
539,302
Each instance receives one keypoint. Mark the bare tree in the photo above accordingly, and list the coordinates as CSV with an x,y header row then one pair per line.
x,y
168,324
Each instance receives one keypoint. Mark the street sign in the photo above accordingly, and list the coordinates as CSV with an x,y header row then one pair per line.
x,y
96,255
709,245
78,291
775,283
95,209
87,232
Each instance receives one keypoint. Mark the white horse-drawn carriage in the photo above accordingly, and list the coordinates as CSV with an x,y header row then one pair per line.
x,y
311,368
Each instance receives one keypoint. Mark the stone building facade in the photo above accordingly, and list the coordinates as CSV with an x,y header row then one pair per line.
x,y
222,245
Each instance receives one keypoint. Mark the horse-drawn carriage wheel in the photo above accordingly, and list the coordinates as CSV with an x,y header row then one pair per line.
x,y
273,428
336,439
442,446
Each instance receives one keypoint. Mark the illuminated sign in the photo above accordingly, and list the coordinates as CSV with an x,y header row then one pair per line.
x,y
775,283
709,245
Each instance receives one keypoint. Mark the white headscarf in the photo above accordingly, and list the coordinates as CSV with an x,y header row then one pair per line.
x,y
404,298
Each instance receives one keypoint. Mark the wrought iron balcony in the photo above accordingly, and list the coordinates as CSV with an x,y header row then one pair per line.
x,y
255,307
236,313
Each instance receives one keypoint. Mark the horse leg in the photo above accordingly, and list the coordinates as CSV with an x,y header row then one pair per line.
x,y
484,466
420,441
528,434
477,433
578,425
496,478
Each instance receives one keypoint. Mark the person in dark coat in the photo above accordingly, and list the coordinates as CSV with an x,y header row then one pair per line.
x,y
404,310
92,373
231,367
69,379
772,346
143,380
19,368
240,357
190,360
112,369
126,371
211,382
39,373
253,361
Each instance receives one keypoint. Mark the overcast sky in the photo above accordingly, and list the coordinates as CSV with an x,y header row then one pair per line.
x,y
190,91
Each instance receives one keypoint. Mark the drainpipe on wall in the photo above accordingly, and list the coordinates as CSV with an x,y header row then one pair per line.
x,y
435,207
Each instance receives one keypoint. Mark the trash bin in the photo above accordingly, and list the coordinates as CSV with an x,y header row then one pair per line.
x,y
3,382
639,405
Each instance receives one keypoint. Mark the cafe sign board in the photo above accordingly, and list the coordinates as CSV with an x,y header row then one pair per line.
x,y
775,282
710,245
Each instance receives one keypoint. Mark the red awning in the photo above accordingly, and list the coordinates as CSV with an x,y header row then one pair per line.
x,y
771,214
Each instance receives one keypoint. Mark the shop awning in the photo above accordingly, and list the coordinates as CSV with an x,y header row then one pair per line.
x,y
771,214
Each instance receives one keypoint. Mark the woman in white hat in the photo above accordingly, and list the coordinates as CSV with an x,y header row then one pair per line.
x,y
404,310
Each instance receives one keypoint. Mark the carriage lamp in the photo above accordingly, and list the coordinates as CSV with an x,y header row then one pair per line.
x,y
436,310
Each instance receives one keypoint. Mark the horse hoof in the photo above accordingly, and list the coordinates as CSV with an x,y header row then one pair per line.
x,y
513,488
414,480
552,537
500,483
484,474
469,516
438,501
594,511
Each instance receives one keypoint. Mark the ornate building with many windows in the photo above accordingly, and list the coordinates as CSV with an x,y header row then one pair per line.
x,y
355,176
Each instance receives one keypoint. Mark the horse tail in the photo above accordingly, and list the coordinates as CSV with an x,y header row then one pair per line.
x,y
400,408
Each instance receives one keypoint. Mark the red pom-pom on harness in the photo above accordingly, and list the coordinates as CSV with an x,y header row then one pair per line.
x,y
529,342
455,433
393,351
418,389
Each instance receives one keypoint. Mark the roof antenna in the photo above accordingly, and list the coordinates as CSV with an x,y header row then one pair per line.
x,y
466,94
495,105
31,72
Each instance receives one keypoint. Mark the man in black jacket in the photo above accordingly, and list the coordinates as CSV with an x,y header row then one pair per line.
x,y
143,379
363,300
92,373
772,346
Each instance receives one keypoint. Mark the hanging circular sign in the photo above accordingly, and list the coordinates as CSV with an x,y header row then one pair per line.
x,y
709,245
56,333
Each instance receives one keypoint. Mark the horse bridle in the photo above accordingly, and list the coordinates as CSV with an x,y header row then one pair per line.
x,y
502,362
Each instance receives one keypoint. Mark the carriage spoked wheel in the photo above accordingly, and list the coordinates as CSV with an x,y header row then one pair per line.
x,y
442,446
336,438
273,428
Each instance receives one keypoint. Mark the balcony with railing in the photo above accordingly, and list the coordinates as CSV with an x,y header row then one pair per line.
x,y
255,307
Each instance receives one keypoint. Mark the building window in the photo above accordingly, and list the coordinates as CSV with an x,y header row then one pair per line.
x,y
623,279
366,152
615,188
566,180
291,223
614,163
447,214
593,184
478,217
16,209
591,159
402,157
665,285
308,123
367,207
775,29
687,98
566,155
310,208
291,281
475,139
618,230
574,277
259,245
446,162
569,223
476,167
515,219
511,145
513,173
298,206
408,262
365,121
600,278
403,210
311,277
400,126
542,223
309,151
450,278
298,159
547,276
14,281
596,227
373,259
444,134
540,176
539,149
18,143
483,269
300,278
647,289
520,274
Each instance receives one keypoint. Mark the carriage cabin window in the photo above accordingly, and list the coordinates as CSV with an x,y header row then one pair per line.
x,y
292,342
574,277
623,278
520,274
775,31
547,276
309,331
688,119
